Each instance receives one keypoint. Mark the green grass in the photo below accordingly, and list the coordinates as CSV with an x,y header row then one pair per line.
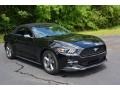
x,y
102,32
1,38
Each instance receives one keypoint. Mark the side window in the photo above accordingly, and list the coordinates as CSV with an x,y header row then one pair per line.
x,y
28,32
24,31
20,31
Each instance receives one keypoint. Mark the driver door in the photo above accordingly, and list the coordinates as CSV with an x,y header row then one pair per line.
x,y
25,45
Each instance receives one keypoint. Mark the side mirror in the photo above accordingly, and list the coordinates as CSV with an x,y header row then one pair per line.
x,y
27,36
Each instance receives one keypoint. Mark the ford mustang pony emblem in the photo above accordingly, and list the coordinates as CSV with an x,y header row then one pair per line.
x,y
95,49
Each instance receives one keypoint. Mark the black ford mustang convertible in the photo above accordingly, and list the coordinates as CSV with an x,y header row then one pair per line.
x,y
54,47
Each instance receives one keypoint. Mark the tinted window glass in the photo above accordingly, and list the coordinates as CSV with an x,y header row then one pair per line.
x,y
24,31
20,31
28,32
49,31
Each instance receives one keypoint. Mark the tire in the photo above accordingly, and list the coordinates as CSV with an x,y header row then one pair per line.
x,y
9,51
50,62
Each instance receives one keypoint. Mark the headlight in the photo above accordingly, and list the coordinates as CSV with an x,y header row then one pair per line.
x,y
68,52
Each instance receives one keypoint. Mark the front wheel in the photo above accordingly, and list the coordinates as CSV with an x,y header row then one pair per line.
x,y
50,62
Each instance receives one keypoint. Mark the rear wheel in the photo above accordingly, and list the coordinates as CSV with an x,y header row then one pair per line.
x,y
9,51
50,62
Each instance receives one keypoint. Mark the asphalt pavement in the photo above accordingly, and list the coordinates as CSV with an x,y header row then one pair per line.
x,y
21,72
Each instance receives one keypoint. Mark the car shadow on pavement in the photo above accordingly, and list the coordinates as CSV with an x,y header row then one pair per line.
x,y
66,74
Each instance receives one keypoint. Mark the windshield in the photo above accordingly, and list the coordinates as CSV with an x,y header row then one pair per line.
x,y
49,31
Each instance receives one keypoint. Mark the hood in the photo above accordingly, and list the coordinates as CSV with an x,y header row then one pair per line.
x,y
80,40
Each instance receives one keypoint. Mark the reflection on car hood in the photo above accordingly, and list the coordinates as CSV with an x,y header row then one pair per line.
x,y
80,40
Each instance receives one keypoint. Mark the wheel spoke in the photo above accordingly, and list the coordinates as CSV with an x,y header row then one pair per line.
x,y
51,67
8,51
46,58
49,56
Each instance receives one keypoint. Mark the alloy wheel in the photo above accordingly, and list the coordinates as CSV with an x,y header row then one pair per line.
x,y
8,51
49,63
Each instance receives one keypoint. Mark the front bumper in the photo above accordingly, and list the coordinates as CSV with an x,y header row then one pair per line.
x,y
73,63
80,67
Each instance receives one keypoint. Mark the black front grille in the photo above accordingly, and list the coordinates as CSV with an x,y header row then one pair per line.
x,y
92,62
93,51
